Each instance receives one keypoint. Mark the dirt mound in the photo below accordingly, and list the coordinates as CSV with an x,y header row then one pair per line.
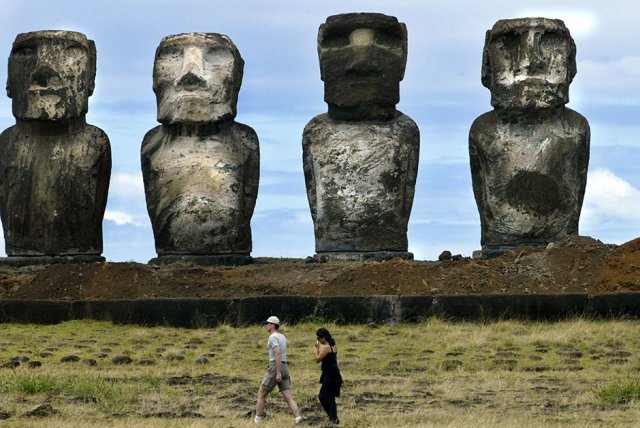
x,y
621,270
575,264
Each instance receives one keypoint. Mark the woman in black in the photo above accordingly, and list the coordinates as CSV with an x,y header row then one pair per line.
x,y
331,380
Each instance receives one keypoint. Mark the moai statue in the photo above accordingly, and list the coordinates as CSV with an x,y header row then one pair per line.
x,y
200,167
54,167
529,156
361,159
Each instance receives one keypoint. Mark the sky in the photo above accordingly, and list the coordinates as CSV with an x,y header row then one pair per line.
x,y
282,91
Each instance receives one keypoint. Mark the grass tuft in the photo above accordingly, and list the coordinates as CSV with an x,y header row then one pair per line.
x,y
619,393
29,384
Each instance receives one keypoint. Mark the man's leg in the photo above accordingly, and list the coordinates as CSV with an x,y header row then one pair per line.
x,y
293,406
267,385
261,402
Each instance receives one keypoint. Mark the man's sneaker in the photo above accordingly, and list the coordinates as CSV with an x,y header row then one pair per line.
x,y
298,419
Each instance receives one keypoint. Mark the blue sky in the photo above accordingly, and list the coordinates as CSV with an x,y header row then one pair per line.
x,y
282,91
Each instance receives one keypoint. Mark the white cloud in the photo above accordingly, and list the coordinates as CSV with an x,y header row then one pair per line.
x,y
302,217
121,218
609,198
127,185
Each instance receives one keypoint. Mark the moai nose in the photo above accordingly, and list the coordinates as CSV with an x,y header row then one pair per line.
x,y
191,80
362,37
362,66
532,52
363,62
45,77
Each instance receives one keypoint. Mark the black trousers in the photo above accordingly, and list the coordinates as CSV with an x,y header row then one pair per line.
x,y
329,390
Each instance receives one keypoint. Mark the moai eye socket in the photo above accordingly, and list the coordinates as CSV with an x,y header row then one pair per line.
x,y
388,38
23,51
217,57
75,51
335,40
509,41
171,54
552,41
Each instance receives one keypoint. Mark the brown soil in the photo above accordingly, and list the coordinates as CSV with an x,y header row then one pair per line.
x,y
576,264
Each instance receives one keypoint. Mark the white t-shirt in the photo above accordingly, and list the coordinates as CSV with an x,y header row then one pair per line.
x,y
277,339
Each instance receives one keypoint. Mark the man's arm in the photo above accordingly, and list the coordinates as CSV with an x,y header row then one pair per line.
x,y
276,351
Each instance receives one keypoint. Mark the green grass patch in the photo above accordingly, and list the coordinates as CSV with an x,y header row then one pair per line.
x,y
619,393
29,384
110,396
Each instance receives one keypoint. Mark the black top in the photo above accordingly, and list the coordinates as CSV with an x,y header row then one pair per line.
x,y
330,361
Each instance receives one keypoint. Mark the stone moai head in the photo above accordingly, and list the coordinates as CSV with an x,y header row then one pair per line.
x,y
362,61
51,75
196,78
528,63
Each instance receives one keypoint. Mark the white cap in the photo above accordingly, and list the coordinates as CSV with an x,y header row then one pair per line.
x,y
272,320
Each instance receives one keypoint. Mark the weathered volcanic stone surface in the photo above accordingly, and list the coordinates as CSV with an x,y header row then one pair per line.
x,y
200,167
360,182
361,158
201,191
362,61
54,167
529,156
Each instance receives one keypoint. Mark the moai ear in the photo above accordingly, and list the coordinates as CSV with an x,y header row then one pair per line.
x,y
405,47
486,66
572,68
239,67
9,77
320,36
92,67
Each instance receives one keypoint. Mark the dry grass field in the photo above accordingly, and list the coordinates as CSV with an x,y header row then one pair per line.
x,y
502,374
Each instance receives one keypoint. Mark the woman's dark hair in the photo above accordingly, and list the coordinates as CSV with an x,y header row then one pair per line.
x,y
323,332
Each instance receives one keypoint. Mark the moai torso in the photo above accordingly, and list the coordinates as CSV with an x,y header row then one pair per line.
x,y
529,157
360,182
201,191
54,168
361,159
200,167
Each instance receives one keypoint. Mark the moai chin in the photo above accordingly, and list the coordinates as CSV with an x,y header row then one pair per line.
x,y
361,158
200,167
54,167
529,156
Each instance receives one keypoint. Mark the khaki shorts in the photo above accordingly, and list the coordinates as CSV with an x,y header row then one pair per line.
x,y
269,380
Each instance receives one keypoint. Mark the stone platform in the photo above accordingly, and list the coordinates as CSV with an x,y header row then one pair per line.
x,y
202,313
48,260
364,256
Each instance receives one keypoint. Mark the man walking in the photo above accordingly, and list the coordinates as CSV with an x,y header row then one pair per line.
x,y
277,373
